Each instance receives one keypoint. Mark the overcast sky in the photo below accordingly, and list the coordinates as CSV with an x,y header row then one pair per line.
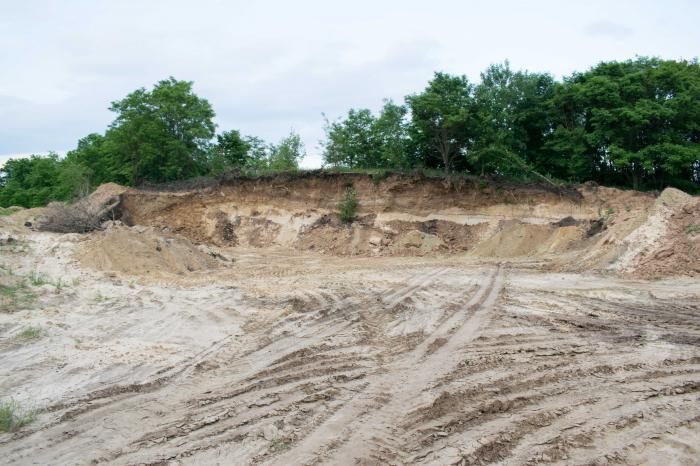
x,y
273,66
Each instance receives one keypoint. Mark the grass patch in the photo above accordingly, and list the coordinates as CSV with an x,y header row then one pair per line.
x,y
607,215
37,279
14,416
693,229
30,333
15,296
59,285
280,444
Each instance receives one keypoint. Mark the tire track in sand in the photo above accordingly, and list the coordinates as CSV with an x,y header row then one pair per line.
x,y
394,392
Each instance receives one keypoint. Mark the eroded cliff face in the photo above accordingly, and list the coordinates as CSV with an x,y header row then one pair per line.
x,y
586,227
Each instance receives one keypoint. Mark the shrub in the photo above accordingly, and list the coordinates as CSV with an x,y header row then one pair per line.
x,y
348,205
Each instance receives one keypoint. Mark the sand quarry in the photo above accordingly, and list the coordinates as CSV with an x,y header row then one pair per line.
x,y
458,322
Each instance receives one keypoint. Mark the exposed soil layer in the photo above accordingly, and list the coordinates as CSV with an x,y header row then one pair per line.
x,y
570,229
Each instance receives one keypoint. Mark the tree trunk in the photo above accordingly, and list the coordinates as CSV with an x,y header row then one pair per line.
x,y
445,151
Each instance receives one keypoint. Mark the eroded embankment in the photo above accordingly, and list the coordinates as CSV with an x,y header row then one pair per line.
x,y
575,228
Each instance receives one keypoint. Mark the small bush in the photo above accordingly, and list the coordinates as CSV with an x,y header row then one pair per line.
x,y
13,416
348,205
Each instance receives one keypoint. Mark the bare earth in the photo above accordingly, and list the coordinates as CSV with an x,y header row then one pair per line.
x,y
291,358
449,324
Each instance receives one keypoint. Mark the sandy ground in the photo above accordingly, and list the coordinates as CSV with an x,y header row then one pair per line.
x,y
285,357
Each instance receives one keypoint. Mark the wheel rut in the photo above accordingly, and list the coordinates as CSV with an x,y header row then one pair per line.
x,y
391,393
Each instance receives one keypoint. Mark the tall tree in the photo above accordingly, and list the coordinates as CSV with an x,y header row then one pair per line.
x,y
287,154
230,151
513,119
635,122
391,133
351,142
160,135
91,154
443,118
362,140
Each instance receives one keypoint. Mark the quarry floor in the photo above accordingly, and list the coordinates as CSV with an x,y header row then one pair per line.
x,y
286,358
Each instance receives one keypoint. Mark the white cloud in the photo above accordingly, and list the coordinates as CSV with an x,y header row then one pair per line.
x,y
608,28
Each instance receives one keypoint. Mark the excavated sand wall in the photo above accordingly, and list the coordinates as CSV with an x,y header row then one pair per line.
x,y
576,228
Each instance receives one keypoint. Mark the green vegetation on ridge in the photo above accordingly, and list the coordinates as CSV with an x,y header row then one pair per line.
x,y
630,124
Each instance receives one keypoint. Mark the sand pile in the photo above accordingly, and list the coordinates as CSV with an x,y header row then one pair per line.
x,y
17,220
668,243
514,239
143,251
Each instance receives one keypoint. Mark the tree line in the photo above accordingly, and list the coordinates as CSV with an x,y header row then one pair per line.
x,y
632,124
160,135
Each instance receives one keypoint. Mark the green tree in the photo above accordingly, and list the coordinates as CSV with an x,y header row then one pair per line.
x,y
362,140
160,135
391,132
635,123
351,142
258,153
37,180
92,155
230,151
514,119
287,154
443,119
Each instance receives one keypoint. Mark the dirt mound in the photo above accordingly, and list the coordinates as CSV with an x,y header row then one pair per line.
x,y
17,221
515,238
143,251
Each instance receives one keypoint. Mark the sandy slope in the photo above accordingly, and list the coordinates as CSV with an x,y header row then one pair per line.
x,y
288,357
